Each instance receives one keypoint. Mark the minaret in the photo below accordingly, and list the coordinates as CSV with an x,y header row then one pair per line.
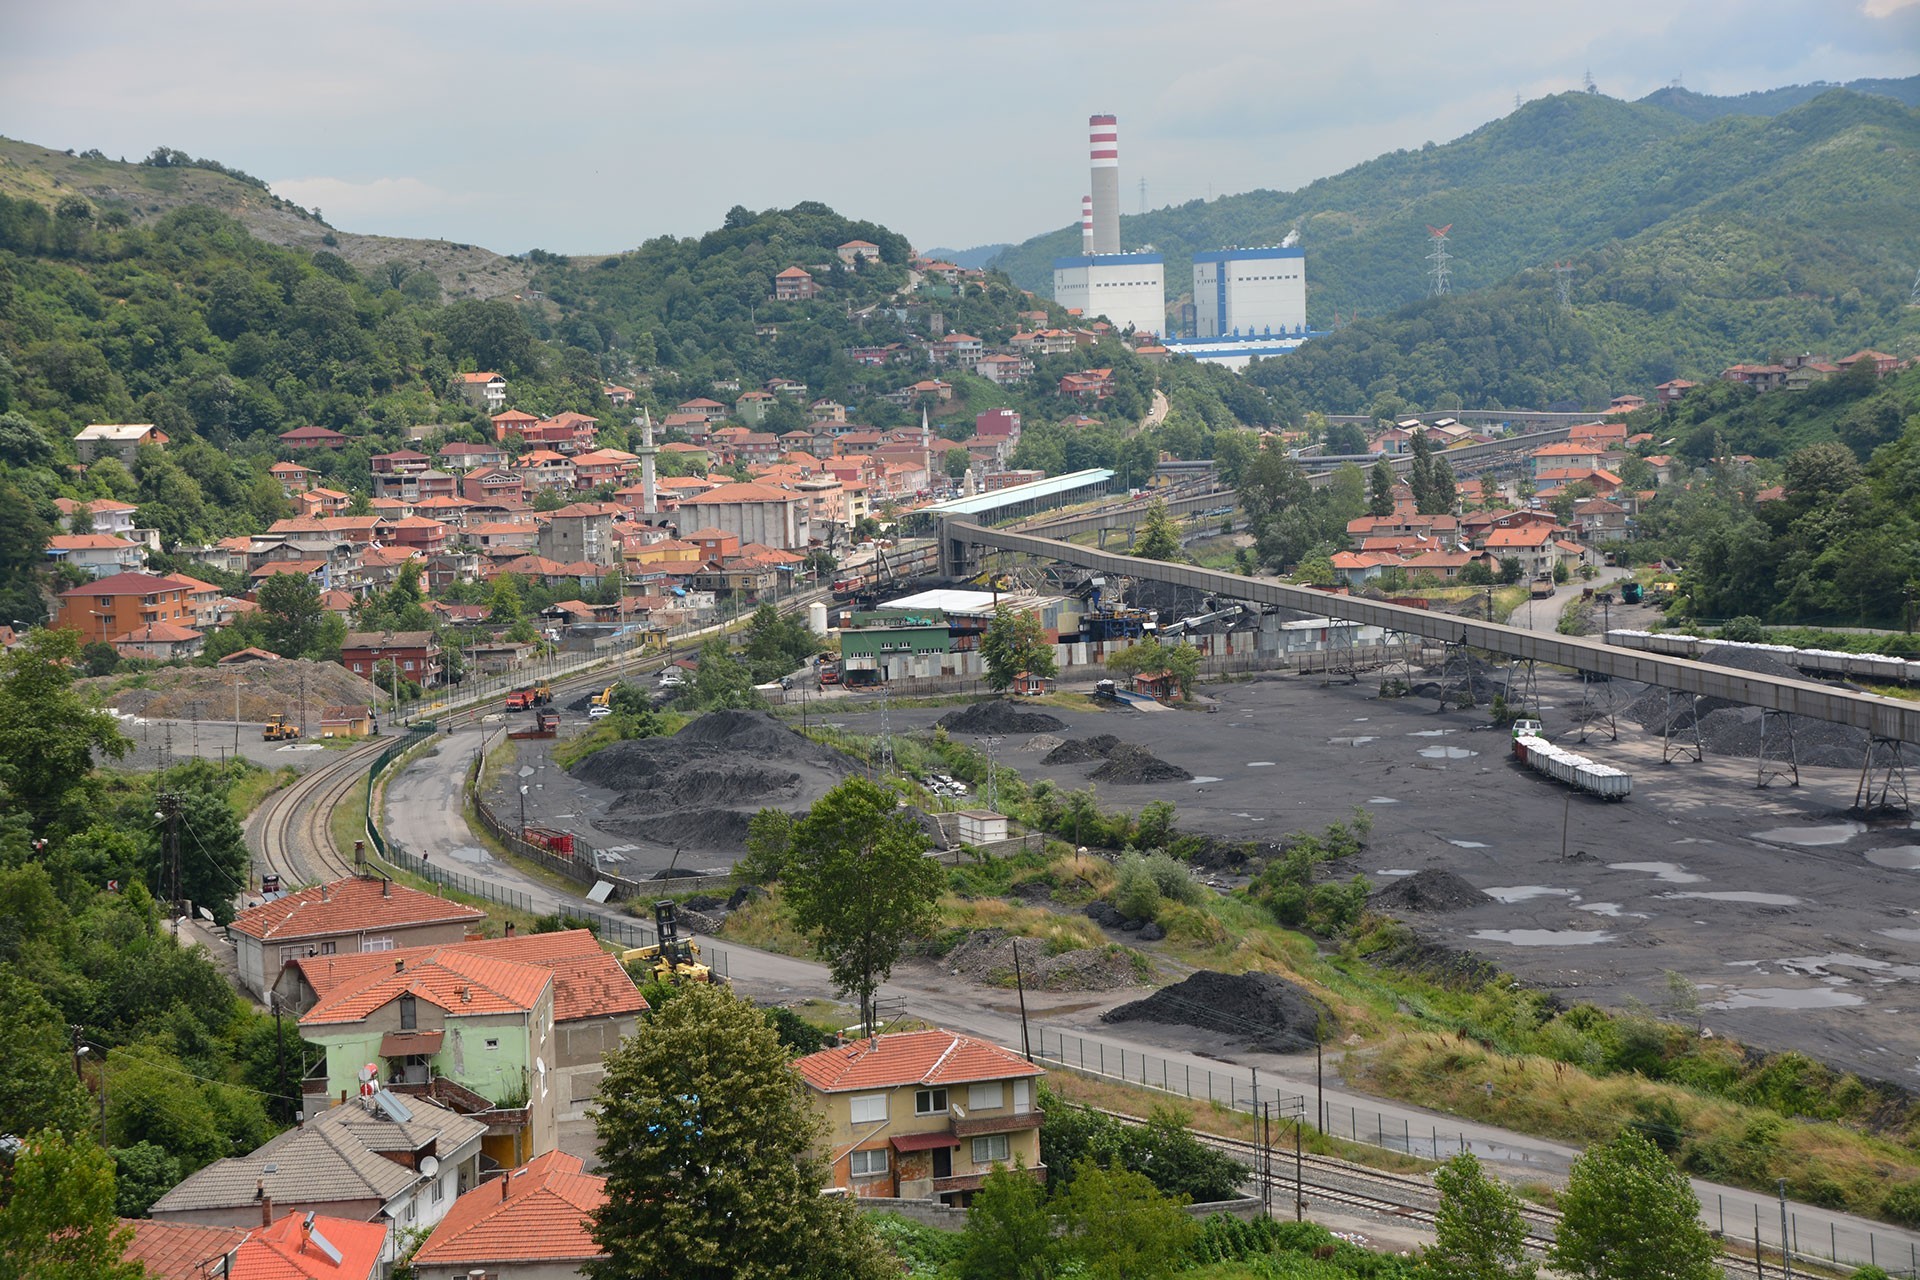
x,y
649,491
926,445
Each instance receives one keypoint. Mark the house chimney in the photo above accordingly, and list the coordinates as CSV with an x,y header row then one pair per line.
x,y
399,966
386,887
266,1211
326,893
509,929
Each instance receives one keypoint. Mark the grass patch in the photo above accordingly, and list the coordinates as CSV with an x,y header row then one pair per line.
x,y
254,786
766,925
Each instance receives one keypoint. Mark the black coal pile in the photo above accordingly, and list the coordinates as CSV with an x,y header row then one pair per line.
x,y
1082,750
1129,765
1734,729
999,716
1431,890
699,788
1260,1009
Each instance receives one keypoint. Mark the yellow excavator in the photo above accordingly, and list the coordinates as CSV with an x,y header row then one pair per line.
x,y
671,958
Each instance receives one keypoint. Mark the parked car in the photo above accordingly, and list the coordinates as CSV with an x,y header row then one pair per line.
x,y
599,713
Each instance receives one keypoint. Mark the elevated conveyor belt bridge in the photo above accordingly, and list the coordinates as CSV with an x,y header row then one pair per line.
x,y
1886,720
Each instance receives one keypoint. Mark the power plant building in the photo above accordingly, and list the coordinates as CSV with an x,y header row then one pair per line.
x,y
1129,289
1250,293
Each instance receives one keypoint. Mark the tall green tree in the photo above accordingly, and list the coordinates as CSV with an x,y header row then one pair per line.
x,y
1008,1235
48,733
57,1220
707,1143
1481,1235
1157,538
858,884
721,683
1380,482
1120,1228
1153,655
292,614
1015,642
213,849
1628,1214
38,1086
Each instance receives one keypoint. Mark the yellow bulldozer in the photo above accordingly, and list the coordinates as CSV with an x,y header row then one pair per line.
x,y
279,729
671,958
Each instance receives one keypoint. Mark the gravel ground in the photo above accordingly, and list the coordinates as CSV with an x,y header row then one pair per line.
x,y
1811,940
1255,1009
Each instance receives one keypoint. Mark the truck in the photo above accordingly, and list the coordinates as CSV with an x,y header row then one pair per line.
x,y
1630,593
546,724
534,695
1542,588
279,729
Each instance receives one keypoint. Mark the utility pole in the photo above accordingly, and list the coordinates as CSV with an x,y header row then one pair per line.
x,y
1020,984
168,811
1786,1249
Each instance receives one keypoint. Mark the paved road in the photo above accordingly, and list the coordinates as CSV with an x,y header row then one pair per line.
x,y
1544,615
424,814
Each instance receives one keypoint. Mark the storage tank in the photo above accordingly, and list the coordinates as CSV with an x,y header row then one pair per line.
x,y
817,617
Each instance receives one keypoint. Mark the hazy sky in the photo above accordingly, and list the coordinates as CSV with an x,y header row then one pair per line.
x,y
585,125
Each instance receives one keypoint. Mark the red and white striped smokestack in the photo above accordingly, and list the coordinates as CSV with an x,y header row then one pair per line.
x,y
1103,139
1086,224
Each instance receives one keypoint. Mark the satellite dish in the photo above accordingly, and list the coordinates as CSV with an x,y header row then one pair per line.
x,y
429,1166
540,1065
368,1072
206,915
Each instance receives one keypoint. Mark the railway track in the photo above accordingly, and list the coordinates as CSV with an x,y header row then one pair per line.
x,y
1401,1197
291,832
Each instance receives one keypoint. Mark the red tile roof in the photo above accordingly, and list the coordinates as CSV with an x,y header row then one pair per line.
x,y
459,982
348,906
287,1250
178,1250
913,1057
541,1212
739,492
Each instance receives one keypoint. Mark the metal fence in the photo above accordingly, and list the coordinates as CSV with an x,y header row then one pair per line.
x,y
611,928
1096,1058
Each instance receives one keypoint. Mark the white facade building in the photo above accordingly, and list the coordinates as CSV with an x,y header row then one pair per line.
x,y
1250,293
1129,289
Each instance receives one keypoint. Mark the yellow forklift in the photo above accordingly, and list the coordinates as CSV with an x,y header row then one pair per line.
x,y
671,958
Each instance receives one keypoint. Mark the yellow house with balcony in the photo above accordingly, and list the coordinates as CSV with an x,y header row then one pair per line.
x,y
924,1114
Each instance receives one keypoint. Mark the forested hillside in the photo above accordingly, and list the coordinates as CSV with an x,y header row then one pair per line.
x,y
1768,102
1694,245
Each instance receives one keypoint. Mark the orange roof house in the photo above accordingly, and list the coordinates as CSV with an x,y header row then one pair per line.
x,y
535,1220
924,1113
344,917
300,1246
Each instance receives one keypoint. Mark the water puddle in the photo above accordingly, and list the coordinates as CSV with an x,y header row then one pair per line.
x,y
1671,872
1900,935
1395,872
1819,966
1545,937
1743,895
1430,733
1260,764
1203,778
1447,753
1349,742
1901,857
1512,893
1611,910
1382,800
1466,844
471,853
1786,998
526,771
1811,837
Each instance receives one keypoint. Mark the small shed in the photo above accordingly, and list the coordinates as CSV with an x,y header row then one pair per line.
x,y
1158,685
981,826
1030,685
346,722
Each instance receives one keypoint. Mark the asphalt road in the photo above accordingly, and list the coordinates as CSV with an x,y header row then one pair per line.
x,y
423,813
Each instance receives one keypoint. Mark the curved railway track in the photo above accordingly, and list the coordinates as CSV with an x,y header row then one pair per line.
x,y
291,832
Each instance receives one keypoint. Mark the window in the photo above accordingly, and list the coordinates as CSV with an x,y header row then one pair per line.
x,y
991,1149
984,1097
439,1189
407,1013
869,1108
868,1164
930,1102
326,948
376,944
492,1043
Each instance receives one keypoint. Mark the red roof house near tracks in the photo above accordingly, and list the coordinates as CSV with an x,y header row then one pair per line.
x,y
343,917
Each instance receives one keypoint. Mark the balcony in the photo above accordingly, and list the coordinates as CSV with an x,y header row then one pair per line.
x,y
1000,1122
